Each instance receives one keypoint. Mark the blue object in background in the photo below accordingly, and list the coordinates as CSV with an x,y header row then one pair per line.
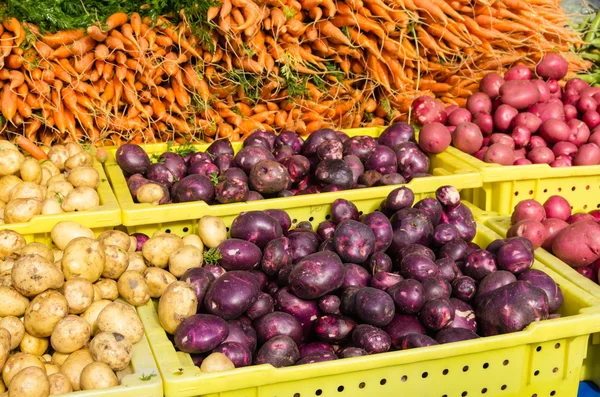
x,y
588,389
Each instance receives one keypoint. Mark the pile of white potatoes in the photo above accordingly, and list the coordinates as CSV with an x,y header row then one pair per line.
x,y
65,182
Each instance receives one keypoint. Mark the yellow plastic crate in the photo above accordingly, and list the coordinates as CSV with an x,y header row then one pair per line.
x,y
180,217
544,360
103,217
503,187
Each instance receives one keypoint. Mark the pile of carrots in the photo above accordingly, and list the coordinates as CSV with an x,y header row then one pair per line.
x,y
263,64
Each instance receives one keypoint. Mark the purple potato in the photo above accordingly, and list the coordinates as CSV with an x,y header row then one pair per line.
x,y
356,166
236,173
492,282
198,157
224,162
197,359
261,277
472,247
342,136
444,233
516,255
232,294
175,163
350,352
330,150
464,316
408,296
316,138
216,270
282,217
200,333
412,162
160,173
360,146
464,288
199,279
237,254
383,160
355,276
231,191
416,249
479,264
280,351
261,138
455,250
391,179
432,208
381,228
285,193
333,328
437,314
379,262
317,358
305,311
354,241
308,349
297,166
276,255
140,239
544,282
326,229
399,198
237,353
283,276
462,218
316,275
204,168
414,340
303,243
347,298
449,335
278,323
448,196
402,325
135,182
283,152
263,305
193,188
370,178
447,269
257,227
418,267
372,339
511,308
385,280
269,177
291,139
334,172
396,134
243,333
250,155
254,196
132,159
374,307
220,146
414,224
436,288
342,210
327,245
330,304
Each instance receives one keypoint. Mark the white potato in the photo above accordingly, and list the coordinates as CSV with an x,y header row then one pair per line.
x,y
115,237
81,199
22,210
177,303
70,334
27,190
7,183
79,293
58,154
133,288
10,161
10,242
44,312
150,193
81,159
17,362
158,249
83,257
59,189
31,170
51,206
39,249
98,375
116,261
13,303
33,345
212,230
59,383
34,274
158,280
84,176
73,148
16,329
108,289
136,262
123,319
112,349
192,239
92,312
64,232
185,258
30,382
74,365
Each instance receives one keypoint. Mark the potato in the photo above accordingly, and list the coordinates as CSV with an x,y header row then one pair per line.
x,y
16,329
194,240
4,144
133,288
22,210
33,345
158,249
7,183
33,274
97,293
58,359
108,289
8,263
56,178
4,346
17,362
81,159
115,237
84,177
31,170
98,375
52,369
58,254
73,148
70,334
44,312
177,303
13,303
46,359
151,193
58,154
158,280
30,382
216,362
136,262
83,257
59,190
37,249
92,312
73,366
81,199
183,259
10,242
63,232
6,279
132,244
112,349
116,261
79,293
27,190
59,384
212,230
10,161
123,319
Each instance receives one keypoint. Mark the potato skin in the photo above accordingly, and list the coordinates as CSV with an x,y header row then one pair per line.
x,y
83,257
22,209
5,346
59,384
158,280
34,274
108,289
34,345
185,258
30,382
13,303
16,329
133,288
44,312
123,319
116,261
112,349
70,334
578,244
17,362
74,365
115,237
212,230
92,313
98,375
177,303
65,232
158,249
269,177
79,293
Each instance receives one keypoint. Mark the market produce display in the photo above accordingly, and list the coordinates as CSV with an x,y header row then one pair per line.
x,y
141,72
519,119
272,165
404,277
62,328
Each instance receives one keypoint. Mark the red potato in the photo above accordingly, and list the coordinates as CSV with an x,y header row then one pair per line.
x,y
591,118
576,84
553,226
428,110
557,207
570,112
519,72
580,217
434,138
578,244
467,137
541,155
586,103
588,154
595,214
554,86
595,137
500,154
479,102
450,108
531,229
562,161
520,136
543,89
580,132
554,130
520,153
564,149
548,110
537,141
519,94
485,122
458,116
527,120
504,116
528,209
503,139
523,161
490,84
480,154
552,66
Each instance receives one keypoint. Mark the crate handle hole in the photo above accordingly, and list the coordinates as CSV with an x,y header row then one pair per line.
x,y
318,392
484,390
486,365
557,346
424,375
531,192
311,219
404,378
463,394
294,220
340,389
534,395
296,394
545,190
383,382
361,385
552,392
536,373
445,372
503,387
327,217
560,189
168,231
587,187
505,362
516,194
227,229
185,229
538,349
573,189
465,368
555,369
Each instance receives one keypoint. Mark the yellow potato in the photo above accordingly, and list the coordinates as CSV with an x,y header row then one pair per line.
x,y
81,159
51,369
83,257
158,280
39,249
133,288
22,210
27,190
10,161
74,365
185,258
51,206
84,177
33,274
136,262
33,345
30,382
79,293
212,231
177,303
117,238
216,362
123,319
192,239
13,303
108,289
73,148
70,334
112,349
116,261
16,329
10,242
44,312
158,249
98,375
81,199
31,171
58,154
17,362
59,190
92,313
59,384
64,232
7,183
4,346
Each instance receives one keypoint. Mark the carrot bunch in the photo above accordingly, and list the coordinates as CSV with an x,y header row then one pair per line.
x,y
263,64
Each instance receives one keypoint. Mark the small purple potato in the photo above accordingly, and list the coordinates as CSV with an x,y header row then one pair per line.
x,y
264,304
250,155
435,288
283,152
297,166
220,146
447,269
317,358
385,280
316,138
374,306
330,304
237,353
342,210
199,157
455,250
492,282
464,316
381,228
464,288
437,314
369,178
333,328
305,311
402,325
347,297
203,168
432,208
200,333
276,255
326,229
372,339
444,233
350,352
418,267
379,262
284,275
216,270
544,282
383,160
231,191
408,296
241,332
396,134
224,162
290,139
334,172
354,241
199,279
236,173
280,351
415,224
330,150
462,218
257,227
391,179
479,264
303,243
175,163
360,146
254,196
237,254
160,173
414,340
416,249
276,324
411,160
282,217
132,159
309,349
269,177
316,275
355,275
399,198
449,335
356,166
232,294
516,255
193,188
261,138
140,239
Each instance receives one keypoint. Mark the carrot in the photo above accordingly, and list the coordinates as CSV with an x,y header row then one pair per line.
x,y
115,20
13,25
9,103
114,43
6,44
136,23
333,33
445,34
27,145
23,108
96,33
16,79
64,37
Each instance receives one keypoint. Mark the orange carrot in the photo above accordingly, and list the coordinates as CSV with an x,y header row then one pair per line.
x,y
9,103
115,20
96,33
136,23
114,43
63,37
27,145
13,25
